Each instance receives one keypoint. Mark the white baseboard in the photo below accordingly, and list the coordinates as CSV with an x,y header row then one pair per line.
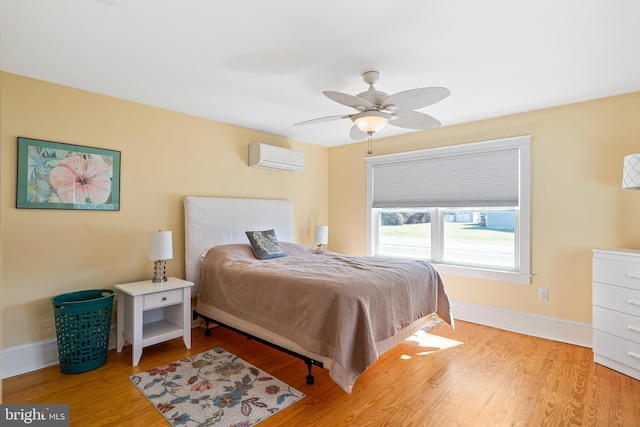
x,y
30,357
525,323
33,356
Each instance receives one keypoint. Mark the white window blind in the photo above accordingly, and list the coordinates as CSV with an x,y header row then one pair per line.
x,y
475,179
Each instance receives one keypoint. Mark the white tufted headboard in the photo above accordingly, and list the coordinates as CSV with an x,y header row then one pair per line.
x,y
213,221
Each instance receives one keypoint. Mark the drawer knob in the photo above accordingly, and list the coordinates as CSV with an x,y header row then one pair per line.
x,y
164,298
634,355
633,328
633,302
632,276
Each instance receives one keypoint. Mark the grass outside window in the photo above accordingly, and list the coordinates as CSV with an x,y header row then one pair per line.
x,y
465,243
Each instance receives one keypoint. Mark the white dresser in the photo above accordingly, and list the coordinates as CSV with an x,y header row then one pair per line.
x,y
616,310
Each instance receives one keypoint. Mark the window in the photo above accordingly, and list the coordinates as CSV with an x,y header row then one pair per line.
x,y
483,237
464,208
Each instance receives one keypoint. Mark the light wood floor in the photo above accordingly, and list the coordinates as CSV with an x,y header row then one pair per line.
x,y
471,376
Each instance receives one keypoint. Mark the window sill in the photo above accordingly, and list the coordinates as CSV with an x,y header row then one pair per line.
x,y
479,273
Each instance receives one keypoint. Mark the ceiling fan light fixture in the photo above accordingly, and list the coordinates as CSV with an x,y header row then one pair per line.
x,y
376,108
371,121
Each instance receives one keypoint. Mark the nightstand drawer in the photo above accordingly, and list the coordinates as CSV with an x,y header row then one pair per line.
x,y
616,323
619,273
161,299
617,298
617,349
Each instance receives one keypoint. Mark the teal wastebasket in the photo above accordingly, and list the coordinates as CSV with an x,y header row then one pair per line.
x,y
83,325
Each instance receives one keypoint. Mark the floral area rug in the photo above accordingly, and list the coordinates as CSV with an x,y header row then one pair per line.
x,y
214,388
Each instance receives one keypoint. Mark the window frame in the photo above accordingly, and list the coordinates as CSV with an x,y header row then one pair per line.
x,y
522,212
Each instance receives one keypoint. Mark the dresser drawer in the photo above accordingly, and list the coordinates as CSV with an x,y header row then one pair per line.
x,y
617,349
616,298
161,299
619,273
616,323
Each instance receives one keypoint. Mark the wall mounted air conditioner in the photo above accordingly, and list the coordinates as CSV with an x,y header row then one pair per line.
x,y
271,157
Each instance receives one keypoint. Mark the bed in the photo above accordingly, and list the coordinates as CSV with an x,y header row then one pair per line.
x,y
308,303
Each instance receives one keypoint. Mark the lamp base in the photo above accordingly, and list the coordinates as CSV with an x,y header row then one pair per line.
x,y
159,270
320,248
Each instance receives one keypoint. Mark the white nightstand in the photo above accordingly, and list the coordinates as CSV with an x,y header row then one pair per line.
x,y
150,313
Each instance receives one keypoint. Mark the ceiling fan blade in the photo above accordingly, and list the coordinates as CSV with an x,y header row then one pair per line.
x,y
415,120
416,98
356,102
322,119
356,134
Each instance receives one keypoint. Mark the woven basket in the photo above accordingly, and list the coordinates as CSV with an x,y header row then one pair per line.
x,y
83,325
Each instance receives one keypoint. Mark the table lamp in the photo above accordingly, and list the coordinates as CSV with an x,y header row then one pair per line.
x,y
160,250
321,236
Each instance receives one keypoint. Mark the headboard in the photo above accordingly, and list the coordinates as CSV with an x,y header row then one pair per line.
x,y
213,221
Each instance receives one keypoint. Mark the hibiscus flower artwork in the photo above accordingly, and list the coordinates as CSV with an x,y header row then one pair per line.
x,y
81,180
54,175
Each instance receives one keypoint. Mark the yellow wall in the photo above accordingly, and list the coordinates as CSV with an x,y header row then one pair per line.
x,y
577,201
165,156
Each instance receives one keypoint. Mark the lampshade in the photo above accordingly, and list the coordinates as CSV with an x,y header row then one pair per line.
x,y
160,245
371,121
321,235
631,172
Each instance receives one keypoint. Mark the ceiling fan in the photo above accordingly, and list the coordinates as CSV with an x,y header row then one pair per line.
x,y
376,108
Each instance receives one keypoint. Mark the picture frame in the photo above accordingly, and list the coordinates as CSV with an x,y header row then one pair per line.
x,y
55,175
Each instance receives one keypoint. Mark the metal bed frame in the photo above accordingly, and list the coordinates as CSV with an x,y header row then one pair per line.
x,y
307,360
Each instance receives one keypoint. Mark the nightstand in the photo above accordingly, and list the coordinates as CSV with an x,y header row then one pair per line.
x,y
150,313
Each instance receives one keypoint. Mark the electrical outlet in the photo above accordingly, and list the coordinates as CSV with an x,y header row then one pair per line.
x,y
543,294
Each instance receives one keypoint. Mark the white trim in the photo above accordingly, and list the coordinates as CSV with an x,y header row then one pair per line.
x,y
30,357
480,273
33,356
523,245
525,323
450,150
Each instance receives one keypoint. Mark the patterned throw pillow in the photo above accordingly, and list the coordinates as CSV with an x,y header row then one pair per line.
x,y
265,244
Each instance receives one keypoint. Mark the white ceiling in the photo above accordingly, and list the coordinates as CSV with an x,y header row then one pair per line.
x,y
264,64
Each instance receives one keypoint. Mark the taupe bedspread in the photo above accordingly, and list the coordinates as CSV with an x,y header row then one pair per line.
x,y
331,304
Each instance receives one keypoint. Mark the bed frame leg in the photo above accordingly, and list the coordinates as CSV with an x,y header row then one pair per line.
x,y
310,378
207,331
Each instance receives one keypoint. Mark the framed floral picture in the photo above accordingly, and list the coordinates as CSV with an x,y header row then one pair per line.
x,y
53,175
